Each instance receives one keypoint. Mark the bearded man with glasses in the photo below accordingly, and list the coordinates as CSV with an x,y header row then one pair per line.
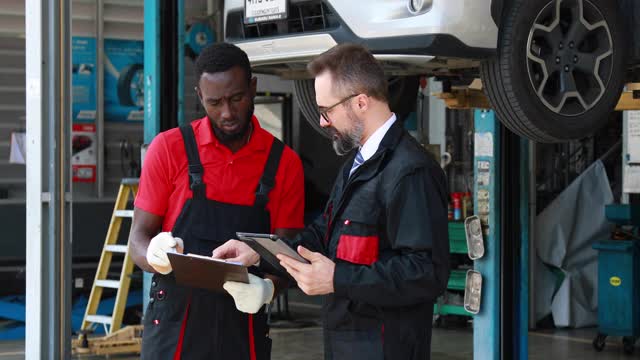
x,y
380,252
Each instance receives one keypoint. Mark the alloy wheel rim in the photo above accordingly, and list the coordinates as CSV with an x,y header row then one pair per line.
x,y
570,56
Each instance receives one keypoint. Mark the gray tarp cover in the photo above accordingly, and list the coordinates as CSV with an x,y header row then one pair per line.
x,y
566,270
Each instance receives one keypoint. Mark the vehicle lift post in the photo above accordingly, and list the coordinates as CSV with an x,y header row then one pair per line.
x,y
501,192
163,55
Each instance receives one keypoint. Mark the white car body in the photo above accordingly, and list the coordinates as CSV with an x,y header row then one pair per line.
x,y
397,36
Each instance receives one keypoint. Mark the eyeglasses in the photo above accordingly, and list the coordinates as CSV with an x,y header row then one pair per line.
x,y
324,113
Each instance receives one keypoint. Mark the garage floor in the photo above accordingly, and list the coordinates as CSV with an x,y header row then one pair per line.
x,y
293,342
290,344
306,343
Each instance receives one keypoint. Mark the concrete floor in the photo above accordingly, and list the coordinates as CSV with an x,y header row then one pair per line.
x,y
302,339
306,343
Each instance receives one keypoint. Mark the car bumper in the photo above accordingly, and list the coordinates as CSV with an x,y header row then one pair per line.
x,y
301,49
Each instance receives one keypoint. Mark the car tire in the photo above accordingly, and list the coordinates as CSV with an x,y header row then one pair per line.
x,y
529,81
403,92
125,84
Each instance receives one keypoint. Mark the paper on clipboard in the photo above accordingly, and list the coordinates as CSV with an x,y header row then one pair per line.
x,y
205,272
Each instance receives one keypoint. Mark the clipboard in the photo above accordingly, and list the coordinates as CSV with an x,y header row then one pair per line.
x,y
205,272
268,246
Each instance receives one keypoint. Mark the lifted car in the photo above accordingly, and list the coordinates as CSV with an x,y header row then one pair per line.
x,y
552,69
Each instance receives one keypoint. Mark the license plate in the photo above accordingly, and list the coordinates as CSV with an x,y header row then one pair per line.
x,y
264,10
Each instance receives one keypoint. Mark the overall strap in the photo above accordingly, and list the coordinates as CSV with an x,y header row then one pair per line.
x,y
268,180
196,171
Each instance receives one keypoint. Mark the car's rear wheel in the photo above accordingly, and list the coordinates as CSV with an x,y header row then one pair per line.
x,y
403,92
560,67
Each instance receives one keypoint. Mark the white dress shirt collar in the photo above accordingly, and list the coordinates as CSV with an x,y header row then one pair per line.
x,y
371,145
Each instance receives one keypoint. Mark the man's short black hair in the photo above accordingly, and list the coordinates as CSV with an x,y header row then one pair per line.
x,y
221,57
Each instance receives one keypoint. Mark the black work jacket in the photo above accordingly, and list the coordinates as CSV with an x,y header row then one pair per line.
x,y
386,229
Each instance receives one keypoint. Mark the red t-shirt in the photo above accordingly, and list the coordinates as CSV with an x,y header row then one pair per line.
x,y
229,178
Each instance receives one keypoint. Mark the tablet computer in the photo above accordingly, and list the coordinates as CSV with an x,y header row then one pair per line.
x,y
205,272
268,246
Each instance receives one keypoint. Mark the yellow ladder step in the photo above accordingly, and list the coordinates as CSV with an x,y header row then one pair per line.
x,y
113,284
116,248
123,213
130,181
99,319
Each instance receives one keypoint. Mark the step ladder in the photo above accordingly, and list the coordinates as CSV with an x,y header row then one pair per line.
x,y
128,187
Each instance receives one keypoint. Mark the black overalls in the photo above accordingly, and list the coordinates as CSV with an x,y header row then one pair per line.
x,y
210,324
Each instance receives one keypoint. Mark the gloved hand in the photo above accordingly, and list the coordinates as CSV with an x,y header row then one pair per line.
x,y
157,251
250,297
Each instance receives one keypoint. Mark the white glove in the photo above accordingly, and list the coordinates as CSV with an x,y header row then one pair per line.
x,y
250,297
158,248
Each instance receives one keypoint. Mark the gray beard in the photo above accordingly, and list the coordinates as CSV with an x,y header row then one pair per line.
x,y
344,143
